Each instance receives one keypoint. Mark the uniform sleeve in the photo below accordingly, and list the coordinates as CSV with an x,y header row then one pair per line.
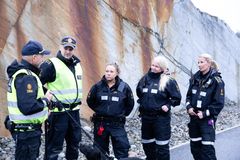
x,y
129,101
92,97
139,88
47,72
189,95
27,90
218,98
174,93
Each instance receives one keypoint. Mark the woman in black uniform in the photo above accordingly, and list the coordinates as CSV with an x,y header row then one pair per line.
x,y
157,92
112,100
204,101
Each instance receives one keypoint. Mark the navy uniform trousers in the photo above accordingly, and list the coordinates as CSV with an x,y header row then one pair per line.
x,y
202,135
156,132
118,135
27,144
61,127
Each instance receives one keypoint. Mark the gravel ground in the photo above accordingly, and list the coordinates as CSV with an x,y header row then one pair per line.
x,y
229,117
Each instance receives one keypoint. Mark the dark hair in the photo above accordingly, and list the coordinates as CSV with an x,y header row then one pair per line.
x,y
115,65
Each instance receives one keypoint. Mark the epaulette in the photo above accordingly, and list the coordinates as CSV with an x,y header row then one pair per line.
x,y
170,77
218,79
121,86
48,61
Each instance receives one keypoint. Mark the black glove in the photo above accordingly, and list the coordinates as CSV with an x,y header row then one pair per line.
x,y
48,103
8,124
57,105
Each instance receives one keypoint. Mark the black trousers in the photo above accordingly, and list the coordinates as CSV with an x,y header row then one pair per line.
x,y
118,136
156,133
62,127
27,144
202,135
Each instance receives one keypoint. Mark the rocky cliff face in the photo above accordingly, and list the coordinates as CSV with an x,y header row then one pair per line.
x,y
127,32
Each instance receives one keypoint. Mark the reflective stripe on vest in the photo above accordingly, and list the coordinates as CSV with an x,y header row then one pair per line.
x,y
15,114
67,87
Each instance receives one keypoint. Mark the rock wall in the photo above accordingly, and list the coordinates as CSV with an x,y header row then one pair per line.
x,y
127,32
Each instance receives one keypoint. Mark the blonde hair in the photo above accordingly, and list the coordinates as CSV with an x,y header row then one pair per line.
x,y
209,59
163,64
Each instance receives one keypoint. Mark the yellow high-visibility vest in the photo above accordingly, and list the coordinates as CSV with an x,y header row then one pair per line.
x,y
67,87
15,114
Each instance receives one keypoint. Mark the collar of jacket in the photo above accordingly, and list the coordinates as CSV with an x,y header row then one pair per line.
x,y
72,61
29,66
154,75
117,81
204,78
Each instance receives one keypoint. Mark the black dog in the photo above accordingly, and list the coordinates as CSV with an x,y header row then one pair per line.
x,y
93,153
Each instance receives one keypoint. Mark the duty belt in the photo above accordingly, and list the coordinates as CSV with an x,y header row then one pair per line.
x,y
98,118
27,127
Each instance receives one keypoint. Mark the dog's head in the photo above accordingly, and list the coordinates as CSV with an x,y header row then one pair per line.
x,y
90,152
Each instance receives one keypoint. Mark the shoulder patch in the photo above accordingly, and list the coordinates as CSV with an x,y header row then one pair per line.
x,y
222,92
29,88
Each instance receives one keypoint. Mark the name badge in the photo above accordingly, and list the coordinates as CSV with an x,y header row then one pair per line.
x,y
209,81
104,97
194,91
116,99
203,94
199,104
154,91
145,90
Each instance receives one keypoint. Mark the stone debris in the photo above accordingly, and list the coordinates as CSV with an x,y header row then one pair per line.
x,y
229,117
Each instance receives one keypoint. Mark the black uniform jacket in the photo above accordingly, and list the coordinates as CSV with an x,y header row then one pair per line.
x,y
26,88
206,92
151,99
115,101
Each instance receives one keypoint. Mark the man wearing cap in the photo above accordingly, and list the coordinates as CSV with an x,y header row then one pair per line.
x,y
27,104
63,76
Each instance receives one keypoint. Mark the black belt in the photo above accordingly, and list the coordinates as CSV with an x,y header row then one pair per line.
x,y
27,127
98,118
152,113
71,106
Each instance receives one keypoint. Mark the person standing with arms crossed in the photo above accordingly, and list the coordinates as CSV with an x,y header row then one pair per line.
x,y
157,92
27,104
63,76
204,101
112,100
